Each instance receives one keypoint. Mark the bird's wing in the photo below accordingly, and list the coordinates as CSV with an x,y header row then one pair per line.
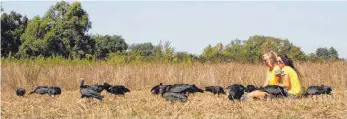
x,y
179,89
89,92
177,95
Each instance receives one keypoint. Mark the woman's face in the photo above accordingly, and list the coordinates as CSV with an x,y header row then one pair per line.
x,y
267,62
280,62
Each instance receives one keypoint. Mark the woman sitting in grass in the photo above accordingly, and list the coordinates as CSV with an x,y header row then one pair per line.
x,y
290,77
273,74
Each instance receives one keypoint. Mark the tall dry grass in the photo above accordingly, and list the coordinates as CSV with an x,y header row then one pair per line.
x,y
141,104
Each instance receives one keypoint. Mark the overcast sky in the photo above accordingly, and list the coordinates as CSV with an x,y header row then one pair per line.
x,y
191,26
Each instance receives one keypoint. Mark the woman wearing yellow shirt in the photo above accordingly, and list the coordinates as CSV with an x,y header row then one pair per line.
x,y
273,74
290,77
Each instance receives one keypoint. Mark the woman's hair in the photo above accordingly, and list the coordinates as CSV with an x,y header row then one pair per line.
x,y
289,62
271,57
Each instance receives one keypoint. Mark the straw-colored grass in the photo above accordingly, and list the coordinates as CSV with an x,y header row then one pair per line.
x,y
140,103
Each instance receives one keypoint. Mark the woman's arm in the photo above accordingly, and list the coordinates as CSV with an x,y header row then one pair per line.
x,y
286,81
266,83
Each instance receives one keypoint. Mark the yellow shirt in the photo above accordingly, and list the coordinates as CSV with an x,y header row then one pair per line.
x,y
271,75
295,85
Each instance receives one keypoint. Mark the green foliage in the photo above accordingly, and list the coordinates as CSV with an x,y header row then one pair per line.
x,y
183,57
62,31
251,50
109,44
333,53
325,54
144,49
12,27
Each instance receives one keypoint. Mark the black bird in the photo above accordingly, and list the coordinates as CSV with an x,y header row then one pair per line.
x,y
40,90
117,90
236,91
20,92
274,90
236,85
193,89
317,90
158,89
215,90
54,90
185,88
327,89
98,88
180,88
250,88
89,93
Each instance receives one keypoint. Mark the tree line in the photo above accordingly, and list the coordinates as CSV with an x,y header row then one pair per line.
x,y
63,32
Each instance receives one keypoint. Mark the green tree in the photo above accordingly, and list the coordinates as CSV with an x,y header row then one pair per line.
x,y
168,51
12,27
208,53
109,44
62,31
33,43
183,57
323,53
144,49
333,53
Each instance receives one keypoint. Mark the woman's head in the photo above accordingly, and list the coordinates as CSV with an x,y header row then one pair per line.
x,y
270,59
284,61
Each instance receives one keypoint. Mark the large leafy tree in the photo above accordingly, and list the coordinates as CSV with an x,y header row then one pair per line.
x,y
12,27
62,31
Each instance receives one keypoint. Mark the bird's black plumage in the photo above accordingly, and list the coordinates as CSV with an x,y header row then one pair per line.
x,y
274,90
172,96
184,88
89,93
215,89
317,90
180,88
250,88
194,89
98,88
236,91
40,90
118,90
158,89
54,90
20,92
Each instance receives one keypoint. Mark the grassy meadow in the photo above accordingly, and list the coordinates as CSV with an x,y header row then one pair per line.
x,y
140,103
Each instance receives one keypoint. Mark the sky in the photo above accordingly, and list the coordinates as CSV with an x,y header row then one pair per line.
x,y
191,26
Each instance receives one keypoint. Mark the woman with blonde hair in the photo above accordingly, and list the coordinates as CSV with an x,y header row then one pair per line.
x,y
273,74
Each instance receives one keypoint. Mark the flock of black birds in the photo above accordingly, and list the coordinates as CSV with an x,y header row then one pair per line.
x,y
176,92
180,92
87,91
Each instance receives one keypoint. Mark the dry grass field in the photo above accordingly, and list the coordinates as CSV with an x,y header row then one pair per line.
x,y
140,103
